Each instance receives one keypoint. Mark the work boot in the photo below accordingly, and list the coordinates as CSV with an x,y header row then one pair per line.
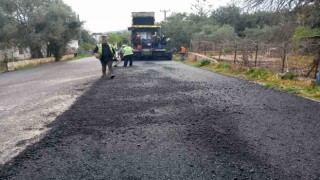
x,y
103,74
110,75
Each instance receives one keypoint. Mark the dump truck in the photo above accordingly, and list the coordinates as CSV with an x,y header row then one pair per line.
x,y
147,40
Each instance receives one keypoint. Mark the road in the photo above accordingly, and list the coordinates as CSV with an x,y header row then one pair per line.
x,y
33,98
155,120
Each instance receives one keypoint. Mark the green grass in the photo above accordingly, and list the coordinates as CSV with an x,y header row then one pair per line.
x,y
223,66
202,62
257,74
287,83
175,58
39,64
312,92
3,66
293,90
81,57
272,84
290,76
27,66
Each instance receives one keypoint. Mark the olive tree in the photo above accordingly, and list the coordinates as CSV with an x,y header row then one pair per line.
x,y
87,41
23,16
37,24
176,28
60,27
216,33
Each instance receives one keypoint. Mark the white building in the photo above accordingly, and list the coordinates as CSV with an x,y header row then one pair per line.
x,y
97,36
73,46
15,54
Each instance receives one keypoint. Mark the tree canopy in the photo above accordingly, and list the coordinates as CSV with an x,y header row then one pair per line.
x,y
289,19
38,24
50,24
278,4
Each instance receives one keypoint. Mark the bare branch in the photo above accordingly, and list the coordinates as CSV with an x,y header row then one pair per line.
x,y
276,5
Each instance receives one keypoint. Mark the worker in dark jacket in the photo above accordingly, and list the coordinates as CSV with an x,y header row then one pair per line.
x,y
136,40
106,53
154,41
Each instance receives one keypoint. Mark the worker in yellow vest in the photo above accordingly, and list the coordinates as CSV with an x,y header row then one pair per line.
x,y
127,53
106,53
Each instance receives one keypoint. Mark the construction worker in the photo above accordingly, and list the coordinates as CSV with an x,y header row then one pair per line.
x,y
182,52
106,53
127,53
154,40
136,40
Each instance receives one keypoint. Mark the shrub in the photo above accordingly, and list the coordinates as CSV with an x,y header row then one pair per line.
x,y
228,51
292,90
289,76
272,84
86,46
257,73
203,62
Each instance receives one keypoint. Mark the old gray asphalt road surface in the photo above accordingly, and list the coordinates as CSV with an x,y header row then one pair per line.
x,y
32,98
167,120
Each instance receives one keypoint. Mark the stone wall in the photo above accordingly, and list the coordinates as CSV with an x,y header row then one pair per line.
x,y
34,62
195,57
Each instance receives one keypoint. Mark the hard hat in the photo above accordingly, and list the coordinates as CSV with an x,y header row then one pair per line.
x,y
124,45
104,37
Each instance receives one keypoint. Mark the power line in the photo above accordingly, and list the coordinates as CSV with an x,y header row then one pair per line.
x,y
165,13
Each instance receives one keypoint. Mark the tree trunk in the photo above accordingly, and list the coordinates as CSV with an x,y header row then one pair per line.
x,y
245,57
49,51
36,52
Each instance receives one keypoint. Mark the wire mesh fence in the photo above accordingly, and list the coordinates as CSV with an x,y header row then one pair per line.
x,y
301,59
84,53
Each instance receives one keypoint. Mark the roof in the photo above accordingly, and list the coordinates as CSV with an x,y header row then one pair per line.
x,y
144,26
142,14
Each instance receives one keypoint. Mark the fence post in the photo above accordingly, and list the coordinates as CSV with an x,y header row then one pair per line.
x,y
196,46
318,80
205,49
212,47
235,54
284,57
317,68
6,61
256,57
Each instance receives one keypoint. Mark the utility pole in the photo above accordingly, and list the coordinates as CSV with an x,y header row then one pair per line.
x,y
165,13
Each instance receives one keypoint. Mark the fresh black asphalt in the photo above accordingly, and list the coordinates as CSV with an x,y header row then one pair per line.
x,y
167,120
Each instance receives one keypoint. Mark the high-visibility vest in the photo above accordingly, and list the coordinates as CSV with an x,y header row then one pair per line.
x,y
100,49
183,50
127,50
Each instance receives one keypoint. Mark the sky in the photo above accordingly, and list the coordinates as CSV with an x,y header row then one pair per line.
x,y
107,15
